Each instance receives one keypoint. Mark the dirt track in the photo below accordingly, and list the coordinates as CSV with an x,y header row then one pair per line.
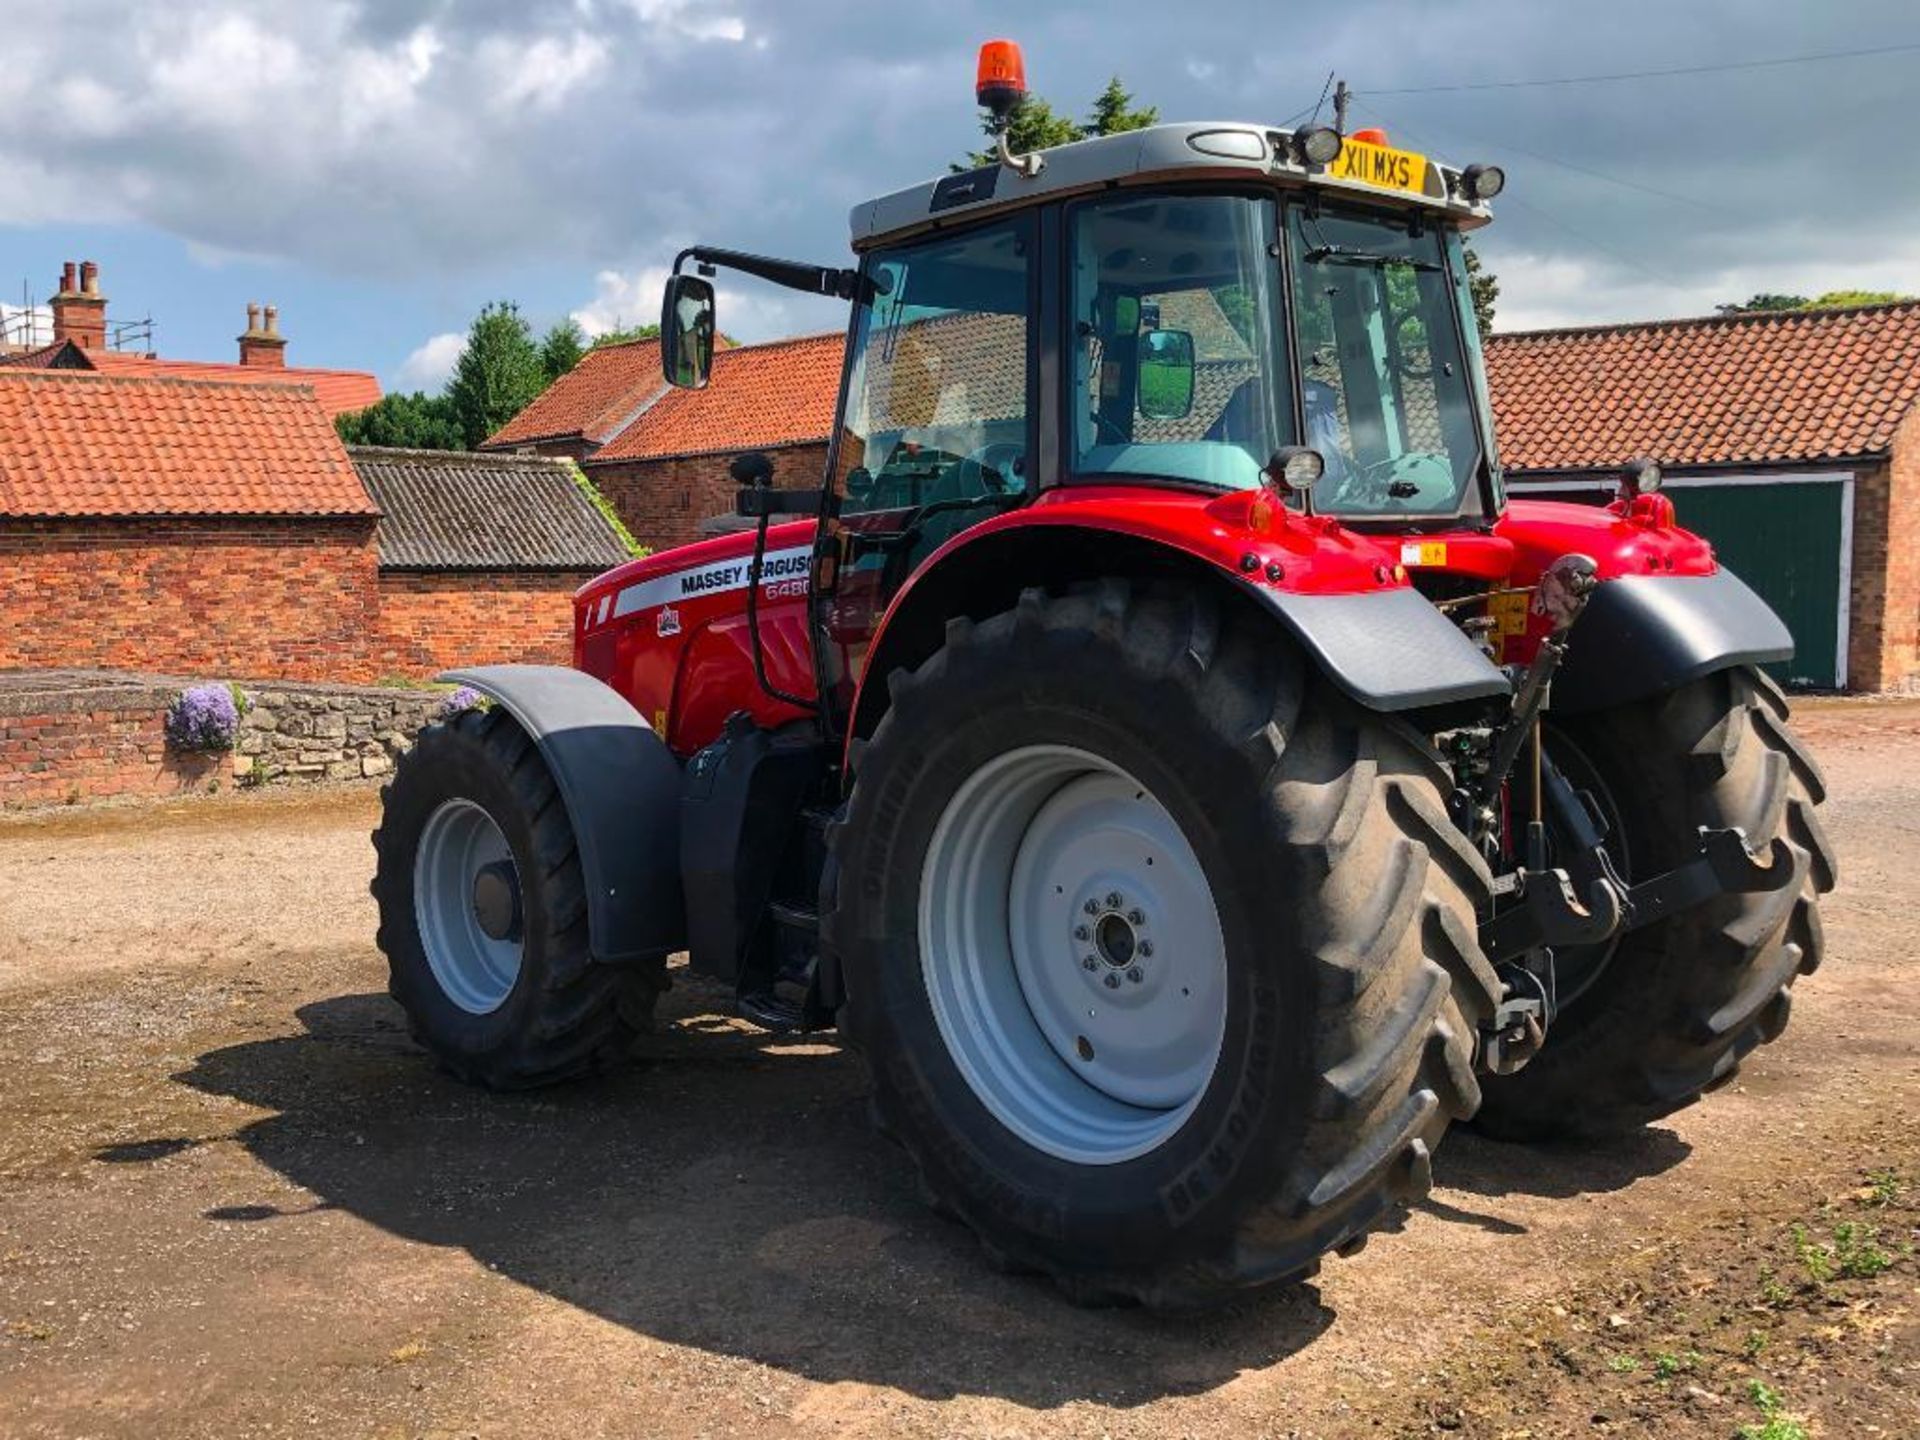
x,y
234,1201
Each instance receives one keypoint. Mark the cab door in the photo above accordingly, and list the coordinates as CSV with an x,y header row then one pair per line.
x,y
937,429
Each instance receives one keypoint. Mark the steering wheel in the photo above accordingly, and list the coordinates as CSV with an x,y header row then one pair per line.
x,y
989,470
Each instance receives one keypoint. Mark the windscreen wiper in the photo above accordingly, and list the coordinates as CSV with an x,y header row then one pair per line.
x,y
1347,255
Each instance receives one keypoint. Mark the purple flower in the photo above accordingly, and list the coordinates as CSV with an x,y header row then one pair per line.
x,y
203,718
460,701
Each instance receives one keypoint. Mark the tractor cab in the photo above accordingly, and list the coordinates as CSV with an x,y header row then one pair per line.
x,y
1190,311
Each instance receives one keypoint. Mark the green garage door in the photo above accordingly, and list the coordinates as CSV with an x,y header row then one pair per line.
x,y
1785,538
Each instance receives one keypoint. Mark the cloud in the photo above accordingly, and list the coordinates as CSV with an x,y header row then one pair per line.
x,y
623,299
24,325
431,142
430,365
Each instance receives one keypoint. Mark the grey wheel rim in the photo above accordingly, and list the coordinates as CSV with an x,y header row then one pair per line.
x,y
466,904
1072,954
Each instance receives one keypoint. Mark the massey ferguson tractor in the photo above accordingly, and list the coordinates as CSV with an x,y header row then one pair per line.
x,y
1156,741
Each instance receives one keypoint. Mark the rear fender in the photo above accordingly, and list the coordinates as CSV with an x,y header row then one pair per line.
x,y
621,786
1385,646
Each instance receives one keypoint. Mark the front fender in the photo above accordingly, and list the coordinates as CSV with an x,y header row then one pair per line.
x,y
1643,635
621,786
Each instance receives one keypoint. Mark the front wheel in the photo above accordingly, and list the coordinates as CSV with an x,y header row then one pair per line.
x,y
483,914
1161,953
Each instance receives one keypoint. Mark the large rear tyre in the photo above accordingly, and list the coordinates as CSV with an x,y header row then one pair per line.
x,y
1679,1004
1160,952
483,915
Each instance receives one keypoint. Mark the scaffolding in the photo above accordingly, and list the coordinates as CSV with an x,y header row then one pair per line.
x,y
29,326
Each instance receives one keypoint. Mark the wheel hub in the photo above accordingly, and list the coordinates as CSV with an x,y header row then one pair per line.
x,y
1073,954
496,900
467,906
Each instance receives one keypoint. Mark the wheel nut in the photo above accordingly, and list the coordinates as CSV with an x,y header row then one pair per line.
x,y
1112,982
1092,907
1089,963
1113,900
1134,975
1136,917
1080,932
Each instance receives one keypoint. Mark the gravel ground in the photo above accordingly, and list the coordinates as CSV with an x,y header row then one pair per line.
x,y
235,1201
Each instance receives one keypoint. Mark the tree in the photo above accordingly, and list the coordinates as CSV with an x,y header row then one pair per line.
x,y
561,348
1831,300
1036,125
1484,288
411,422
1114,114
626,335
499,373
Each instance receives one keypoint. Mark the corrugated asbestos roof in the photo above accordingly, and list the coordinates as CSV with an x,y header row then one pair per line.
x,y
78,444
446,510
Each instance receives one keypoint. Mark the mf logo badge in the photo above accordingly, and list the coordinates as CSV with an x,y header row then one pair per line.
x,y
669,621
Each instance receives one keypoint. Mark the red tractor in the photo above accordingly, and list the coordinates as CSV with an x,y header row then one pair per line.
x,y
1157,742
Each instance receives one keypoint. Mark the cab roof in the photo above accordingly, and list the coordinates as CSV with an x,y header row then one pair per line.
x,y
1194,150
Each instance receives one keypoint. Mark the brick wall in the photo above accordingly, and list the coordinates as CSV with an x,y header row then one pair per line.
x,y
442,620
1883,648
663,501
284,599
86,743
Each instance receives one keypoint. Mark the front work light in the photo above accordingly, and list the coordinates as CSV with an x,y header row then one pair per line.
x,y
1640,477
1319,145
1295,469
1482,182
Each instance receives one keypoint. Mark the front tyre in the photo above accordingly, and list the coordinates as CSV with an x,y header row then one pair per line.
x,y
483,915
1679,1004
1161,953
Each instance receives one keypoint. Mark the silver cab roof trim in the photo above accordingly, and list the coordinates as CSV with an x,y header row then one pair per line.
x,y
1193,150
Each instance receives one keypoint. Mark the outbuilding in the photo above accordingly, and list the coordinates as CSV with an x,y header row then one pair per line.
x,y
1791,439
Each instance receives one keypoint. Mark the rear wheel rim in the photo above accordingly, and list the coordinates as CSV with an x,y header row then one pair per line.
x,y
457,874
1072,954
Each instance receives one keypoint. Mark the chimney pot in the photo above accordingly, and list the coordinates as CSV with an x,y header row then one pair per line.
x,y
273,319
253,315
89,278
68,281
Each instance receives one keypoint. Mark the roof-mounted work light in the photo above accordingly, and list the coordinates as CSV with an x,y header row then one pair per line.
x,y
1482,182
1317,145
999,85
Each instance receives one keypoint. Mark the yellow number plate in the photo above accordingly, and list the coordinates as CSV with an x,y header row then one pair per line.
x,y
1381,166
1424,552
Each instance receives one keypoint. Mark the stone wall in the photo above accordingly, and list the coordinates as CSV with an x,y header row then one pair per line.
x,y
70,736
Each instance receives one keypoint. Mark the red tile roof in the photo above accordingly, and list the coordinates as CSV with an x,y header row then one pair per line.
x,y
591,401
1784,386
779,393
75,444
339,392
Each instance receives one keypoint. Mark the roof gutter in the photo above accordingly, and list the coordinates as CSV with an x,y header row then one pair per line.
x,y
1703,467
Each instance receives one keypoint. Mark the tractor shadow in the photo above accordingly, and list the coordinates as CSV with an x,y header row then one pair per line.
x,y
728,1194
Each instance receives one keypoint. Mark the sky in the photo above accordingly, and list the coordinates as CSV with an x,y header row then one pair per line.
x,y
380,169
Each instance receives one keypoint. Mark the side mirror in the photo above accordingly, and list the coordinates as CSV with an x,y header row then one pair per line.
x,y
1166,374
687,331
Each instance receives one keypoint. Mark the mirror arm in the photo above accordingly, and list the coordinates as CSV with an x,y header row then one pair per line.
x,y
793,274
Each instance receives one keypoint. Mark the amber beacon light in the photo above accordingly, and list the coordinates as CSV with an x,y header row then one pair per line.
x,y
1001,79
